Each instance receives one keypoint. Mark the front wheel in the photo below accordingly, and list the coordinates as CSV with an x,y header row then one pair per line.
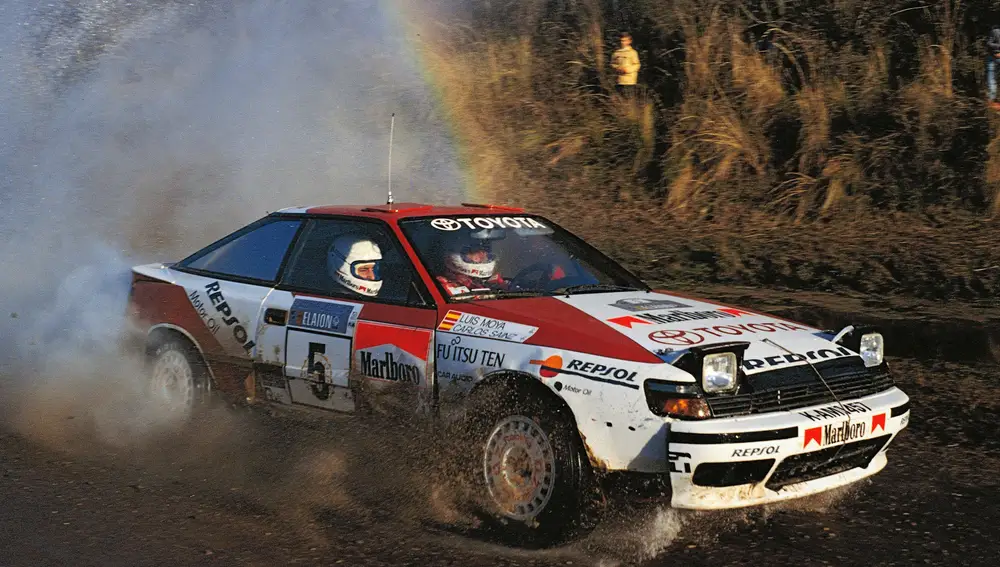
x,y
538,485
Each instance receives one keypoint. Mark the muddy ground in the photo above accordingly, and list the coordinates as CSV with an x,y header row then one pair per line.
x,y
941,256
250,488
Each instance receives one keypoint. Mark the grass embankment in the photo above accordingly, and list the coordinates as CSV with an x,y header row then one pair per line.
x,y
857,152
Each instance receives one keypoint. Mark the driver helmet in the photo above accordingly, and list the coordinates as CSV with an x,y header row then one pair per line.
x,y
473,259
355,263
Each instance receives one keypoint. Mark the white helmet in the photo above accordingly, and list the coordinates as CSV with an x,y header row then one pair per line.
x,y
462,262
355,263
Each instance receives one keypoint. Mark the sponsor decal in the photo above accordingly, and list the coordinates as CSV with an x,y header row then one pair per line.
x,y
553,366
756,451
639,304
676,338
628,320
836,410
455,352
679,462
486,327
325,316
452,224
678,316
906,419
833,434
878,422
214,291
387,368
449,320
391,353
455,377
783,359
696,336
199,307
550,367
575,390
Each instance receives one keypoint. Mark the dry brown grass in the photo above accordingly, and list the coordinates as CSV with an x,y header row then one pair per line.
x,y
992,175
813,129
760,81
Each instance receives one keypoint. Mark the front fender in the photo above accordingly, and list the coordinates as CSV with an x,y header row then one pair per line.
x,y
604,396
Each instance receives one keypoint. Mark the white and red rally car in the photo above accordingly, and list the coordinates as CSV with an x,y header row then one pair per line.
x,y
591,374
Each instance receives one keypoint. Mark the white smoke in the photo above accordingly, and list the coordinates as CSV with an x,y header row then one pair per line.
x,y
142,131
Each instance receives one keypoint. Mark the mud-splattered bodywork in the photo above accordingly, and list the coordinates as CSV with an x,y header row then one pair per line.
x,y
598,352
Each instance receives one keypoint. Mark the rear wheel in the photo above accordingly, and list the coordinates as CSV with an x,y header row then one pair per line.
x,y
178,380
536,480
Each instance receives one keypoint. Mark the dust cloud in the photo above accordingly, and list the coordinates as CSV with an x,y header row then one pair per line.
x,y
137,132
141,131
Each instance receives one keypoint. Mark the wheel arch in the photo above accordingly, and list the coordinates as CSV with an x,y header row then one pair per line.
x,y
157,334
526,384
520,382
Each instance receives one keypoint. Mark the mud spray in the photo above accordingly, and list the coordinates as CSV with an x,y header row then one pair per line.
x,y
136,132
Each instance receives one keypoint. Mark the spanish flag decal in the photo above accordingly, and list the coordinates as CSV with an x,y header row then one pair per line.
x,y
449,321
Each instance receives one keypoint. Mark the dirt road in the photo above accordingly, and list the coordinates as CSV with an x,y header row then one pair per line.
x,y
255,489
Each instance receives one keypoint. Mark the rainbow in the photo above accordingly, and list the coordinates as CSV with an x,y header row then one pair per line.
x,y
415,24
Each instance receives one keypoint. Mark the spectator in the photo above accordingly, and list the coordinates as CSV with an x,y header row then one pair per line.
x,y
625,61
992,54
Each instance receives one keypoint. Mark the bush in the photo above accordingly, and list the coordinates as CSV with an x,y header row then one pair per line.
x,y
803,109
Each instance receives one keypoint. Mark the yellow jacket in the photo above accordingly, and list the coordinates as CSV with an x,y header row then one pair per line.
x,y
626,62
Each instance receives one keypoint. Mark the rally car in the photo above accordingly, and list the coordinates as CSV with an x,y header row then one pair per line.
x,y
567,368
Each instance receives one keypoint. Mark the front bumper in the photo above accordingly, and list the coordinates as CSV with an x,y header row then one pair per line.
x,y
752,460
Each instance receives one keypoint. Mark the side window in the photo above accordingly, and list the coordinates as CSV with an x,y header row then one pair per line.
x,y
341,258
255,254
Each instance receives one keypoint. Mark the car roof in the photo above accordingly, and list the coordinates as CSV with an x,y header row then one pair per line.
x,y
398,211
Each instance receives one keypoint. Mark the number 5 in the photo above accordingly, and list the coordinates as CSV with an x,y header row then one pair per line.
x,y
315,367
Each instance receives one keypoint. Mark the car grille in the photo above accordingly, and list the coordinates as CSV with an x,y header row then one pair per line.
x,y
825,462
799,387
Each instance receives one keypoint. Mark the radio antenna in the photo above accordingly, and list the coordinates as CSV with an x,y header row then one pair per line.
x,y
392,124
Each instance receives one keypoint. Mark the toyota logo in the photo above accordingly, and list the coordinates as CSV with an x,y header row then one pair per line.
x,y
677,338
446,224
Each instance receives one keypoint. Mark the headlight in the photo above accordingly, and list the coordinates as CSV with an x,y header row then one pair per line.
x,y
718,372
872,349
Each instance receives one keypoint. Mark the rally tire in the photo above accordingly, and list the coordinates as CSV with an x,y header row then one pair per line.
x,y
177,379
533,475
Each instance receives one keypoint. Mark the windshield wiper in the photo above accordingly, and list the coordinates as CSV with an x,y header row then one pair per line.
x,y
495,293
569,290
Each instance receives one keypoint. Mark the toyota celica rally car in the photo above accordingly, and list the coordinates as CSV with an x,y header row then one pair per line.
x,y
591,373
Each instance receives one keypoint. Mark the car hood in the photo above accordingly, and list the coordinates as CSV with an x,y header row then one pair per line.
x,y
658,327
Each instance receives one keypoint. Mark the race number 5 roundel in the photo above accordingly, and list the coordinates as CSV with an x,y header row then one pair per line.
x,y
676,338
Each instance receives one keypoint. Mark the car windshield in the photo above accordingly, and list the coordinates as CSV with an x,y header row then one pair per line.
x,y
495,257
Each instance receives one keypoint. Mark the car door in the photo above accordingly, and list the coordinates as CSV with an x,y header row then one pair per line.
x,y
333,342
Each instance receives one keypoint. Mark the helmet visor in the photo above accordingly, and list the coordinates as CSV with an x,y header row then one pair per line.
x,y
368,270
477,254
